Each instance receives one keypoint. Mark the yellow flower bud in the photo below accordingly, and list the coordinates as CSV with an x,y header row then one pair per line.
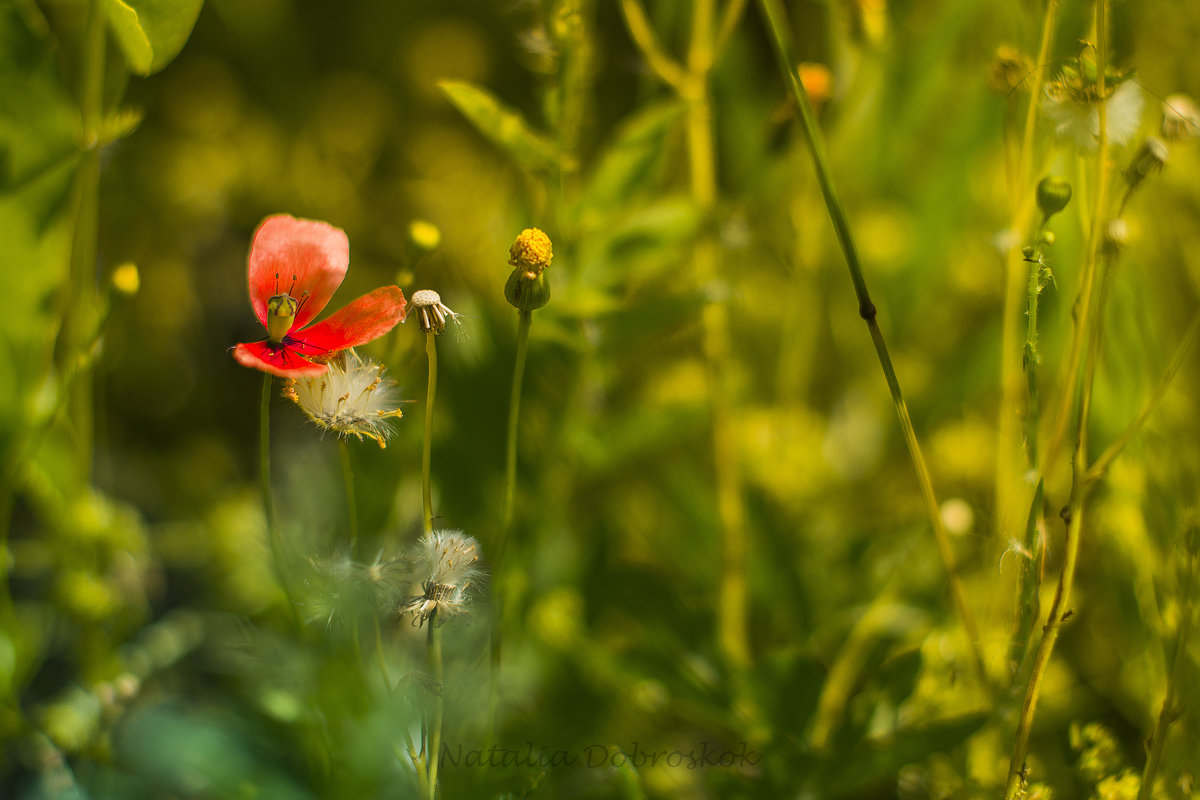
x,y
532,251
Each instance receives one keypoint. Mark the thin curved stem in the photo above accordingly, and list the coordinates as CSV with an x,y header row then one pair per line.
x,y
1169,712
1101,464
351,503
427,451
866,309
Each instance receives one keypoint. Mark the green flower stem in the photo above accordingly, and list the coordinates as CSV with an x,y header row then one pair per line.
x,y
1170,712
1010,486
427,452
774,17
439,704
82,300
1084,311
525,322
351,503
274,541
514,415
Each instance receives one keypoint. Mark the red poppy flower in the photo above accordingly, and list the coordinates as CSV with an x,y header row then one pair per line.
x,y
295,267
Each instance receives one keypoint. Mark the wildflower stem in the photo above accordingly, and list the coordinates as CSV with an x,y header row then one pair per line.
x,y
1084,310
775,23
82,294
427,452
514,415
1009,486
351,504
1170,712
264,476
525,322
439,703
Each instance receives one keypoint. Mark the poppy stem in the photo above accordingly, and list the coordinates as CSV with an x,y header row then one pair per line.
x,y
264,477
351,504
427,453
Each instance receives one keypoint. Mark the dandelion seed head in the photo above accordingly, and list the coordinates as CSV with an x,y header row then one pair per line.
x,y
432,312
1074,111
446,566
352,398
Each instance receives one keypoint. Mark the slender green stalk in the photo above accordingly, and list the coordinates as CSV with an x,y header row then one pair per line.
x,y
439,704
1079,486
514,415
866,309
1101,464
525,322
427,451
82,300
1010,486
351,503
274,541
1170,712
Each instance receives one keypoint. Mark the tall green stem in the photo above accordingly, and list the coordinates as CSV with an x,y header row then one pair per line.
x,y
274,541
351,503
514,415
525,322
866,309
1087,321
434,654
427,451
81,307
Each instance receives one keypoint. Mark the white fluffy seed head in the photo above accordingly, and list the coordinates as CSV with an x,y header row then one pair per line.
x,y
446,568
352,398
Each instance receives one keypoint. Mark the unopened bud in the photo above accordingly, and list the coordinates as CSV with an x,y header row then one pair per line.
x,y
1008,70
527,293
1053,194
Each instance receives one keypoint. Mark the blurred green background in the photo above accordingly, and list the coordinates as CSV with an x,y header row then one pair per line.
x,y
146,648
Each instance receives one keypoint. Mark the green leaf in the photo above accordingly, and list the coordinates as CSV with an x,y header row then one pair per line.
x,y
151,32
505,127
628,163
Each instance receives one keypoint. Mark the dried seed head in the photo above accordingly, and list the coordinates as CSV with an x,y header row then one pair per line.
x,y
1150,158
352,398
446,564
431,311
531,252
1181,118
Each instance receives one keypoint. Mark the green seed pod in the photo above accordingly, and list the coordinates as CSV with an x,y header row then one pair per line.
x,y
1053,194
526,293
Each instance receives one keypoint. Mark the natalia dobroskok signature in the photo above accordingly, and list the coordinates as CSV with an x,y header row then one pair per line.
x,y
594,756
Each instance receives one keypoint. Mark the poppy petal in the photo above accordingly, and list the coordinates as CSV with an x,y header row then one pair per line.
x,y
302,257
367,318
281,361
